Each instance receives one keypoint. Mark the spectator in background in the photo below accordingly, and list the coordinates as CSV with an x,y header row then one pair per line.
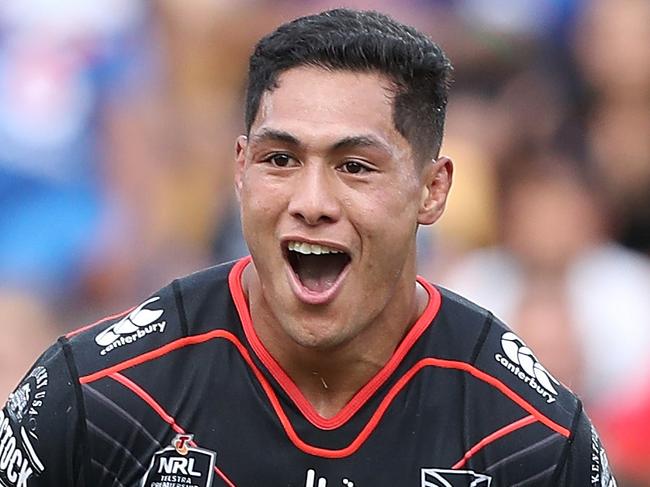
x,y
171,141
612,48
58,63
554,236
577,297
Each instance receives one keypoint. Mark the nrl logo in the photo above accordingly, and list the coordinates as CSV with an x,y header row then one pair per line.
x,y
183,464
438,477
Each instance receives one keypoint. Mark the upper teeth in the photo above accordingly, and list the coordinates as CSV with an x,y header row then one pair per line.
x,y
307,248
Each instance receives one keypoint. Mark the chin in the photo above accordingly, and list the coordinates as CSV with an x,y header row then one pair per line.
x,y
317,339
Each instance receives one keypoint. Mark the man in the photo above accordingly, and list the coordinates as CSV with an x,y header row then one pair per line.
x,y
322,360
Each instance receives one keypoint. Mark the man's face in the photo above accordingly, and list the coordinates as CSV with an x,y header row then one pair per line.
x,y
331,197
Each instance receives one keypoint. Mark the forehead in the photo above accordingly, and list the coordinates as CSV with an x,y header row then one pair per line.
x,y
313,103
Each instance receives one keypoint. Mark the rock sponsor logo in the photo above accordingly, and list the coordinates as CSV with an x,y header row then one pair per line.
x,y
25,402
440,477
138,324
18,427
522,363
181,465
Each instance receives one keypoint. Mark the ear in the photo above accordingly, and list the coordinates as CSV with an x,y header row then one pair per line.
x,y
436,178
240,162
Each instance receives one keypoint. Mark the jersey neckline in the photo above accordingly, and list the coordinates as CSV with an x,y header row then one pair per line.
x,y
289,386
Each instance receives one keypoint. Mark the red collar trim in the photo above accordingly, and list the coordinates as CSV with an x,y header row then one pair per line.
x,y
362,396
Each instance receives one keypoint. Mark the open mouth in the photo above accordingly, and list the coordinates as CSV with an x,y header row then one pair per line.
x,y
318,267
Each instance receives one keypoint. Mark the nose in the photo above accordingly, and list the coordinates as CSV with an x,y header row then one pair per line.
x,y
314,199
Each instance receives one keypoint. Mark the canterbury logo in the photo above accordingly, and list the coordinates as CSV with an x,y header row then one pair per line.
x,y
521,362
136,325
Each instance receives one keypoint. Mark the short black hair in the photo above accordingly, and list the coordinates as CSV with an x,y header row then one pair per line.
x,y
362,41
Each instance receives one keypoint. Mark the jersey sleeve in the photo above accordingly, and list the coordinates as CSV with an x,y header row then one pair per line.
x,y
41,431
586,463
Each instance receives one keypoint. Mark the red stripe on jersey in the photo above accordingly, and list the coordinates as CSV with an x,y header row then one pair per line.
x,y
129,384
496,383
493,437
374,420
290,387
88,327
167,418
158,352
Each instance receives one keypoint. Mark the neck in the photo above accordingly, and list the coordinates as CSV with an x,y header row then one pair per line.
x,y
328,378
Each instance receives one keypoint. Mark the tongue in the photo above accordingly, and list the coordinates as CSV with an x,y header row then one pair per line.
x,y
318,273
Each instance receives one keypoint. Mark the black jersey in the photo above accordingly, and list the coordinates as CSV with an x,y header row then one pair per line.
x,y
180,391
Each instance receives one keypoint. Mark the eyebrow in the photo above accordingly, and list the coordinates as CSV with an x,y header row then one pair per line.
x,y
348,142
360,141
276,135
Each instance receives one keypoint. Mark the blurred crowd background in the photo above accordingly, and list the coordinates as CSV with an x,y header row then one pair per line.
x,y
117,127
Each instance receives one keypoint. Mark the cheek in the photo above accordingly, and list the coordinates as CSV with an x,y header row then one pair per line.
x,y
386,224
388,211
255,213
260,201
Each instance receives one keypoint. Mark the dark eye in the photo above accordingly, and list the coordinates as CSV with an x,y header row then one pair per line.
x,y
281,160
354,167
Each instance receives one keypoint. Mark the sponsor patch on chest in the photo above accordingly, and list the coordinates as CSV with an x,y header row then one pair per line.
x,y
181,465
